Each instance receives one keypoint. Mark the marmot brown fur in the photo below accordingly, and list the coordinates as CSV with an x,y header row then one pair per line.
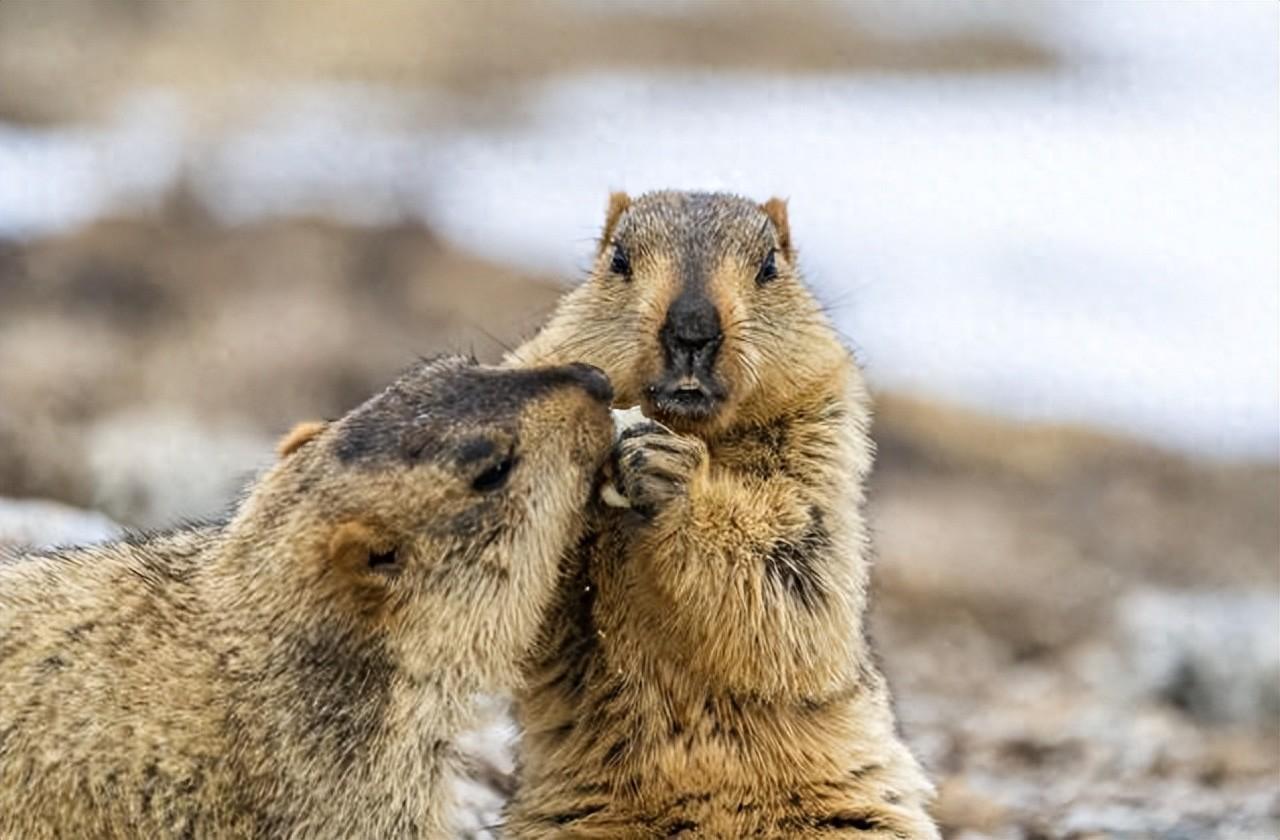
x,y
706,673
302,670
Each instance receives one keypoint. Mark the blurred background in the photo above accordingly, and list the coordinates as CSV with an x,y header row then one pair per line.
x,y
1049,231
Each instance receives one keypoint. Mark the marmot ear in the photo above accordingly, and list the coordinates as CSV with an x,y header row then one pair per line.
x,y
299,436
618,204
776,210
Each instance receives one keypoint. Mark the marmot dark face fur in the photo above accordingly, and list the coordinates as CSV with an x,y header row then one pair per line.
x,y
694,308
704,672
302,670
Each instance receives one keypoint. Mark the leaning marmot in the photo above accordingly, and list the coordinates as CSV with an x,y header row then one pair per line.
x,y
706,673
302,670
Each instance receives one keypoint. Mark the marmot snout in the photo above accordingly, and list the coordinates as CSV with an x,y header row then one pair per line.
x,y
696,309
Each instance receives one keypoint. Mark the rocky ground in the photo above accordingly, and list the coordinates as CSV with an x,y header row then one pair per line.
x,y
1084,633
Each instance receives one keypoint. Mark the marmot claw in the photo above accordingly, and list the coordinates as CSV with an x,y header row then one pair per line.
x,y
654,466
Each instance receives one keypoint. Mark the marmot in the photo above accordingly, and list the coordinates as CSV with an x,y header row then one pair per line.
x,y
706,673
301,670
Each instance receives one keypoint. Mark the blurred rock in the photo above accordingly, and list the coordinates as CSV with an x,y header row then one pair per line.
x,y
1029,533
232,332
36,522
69,59
40,456
156,468
1215,655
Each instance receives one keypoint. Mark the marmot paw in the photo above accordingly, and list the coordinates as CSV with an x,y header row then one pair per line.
x,y
654,466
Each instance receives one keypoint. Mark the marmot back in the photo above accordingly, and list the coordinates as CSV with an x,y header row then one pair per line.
x,y
302,669
705,673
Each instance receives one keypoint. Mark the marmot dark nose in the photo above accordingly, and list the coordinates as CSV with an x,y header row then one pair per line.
x,y
593,380
691,334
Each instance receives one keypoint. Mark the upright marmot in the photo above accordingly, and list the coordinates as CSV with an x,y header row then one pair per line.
x,y
301,671
706,673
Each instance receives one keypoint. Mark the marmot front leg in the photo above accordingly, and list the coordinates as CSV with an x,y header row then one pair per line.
x,y
749,571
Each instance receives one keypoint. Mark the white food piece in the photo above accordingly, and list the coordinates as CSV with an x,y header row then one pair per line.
x,y
624,419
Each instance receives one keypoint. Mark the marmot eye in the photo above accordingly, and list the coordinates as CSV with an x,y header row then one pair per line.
x,y
768,269
494,477
620,264
383,561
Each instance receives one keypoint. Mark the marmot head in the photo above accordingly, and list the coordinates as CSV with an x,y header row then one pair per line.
x,y
435,513
694,307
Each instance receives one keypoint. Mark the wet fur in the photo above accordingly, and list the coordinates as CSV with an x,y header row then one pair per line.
x,y
259,678
705,672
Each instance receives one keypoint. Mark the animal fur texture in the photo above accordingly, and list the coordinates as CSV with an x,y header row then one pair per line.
x,y
704,671
302,670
